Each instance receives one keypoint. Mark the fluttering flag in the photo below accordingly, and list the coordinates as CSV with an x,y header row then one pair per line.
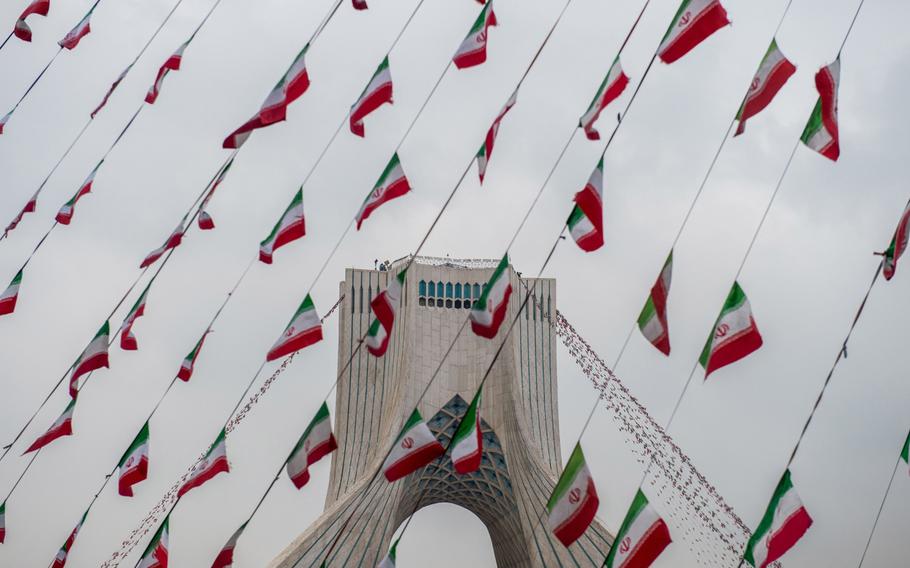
x,y
574,501
784,523
2,522
377,93
289,228
173,241
489,310
359,4
773,72
891,255
110,91
92,358
415,447
10,296
60,558
304,330
473,50
127,339
642,537
75,35
486,149
63,426
385,307
905,455
586,221
5,119
821,133
694,22
205,221
39,7
189,362
316,442
134,465
734,335
392,183
155,555
30,207
613,85
653,318
225,558
172,64
291,86
214,462
389,560
467,442
65,215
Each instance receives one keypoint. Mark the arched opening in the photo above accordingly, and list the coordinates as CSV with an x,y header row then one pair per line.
x,y
446,527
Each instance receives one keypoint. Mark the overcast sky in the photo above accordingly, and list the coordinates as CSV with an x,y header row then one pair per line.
x,y
805,277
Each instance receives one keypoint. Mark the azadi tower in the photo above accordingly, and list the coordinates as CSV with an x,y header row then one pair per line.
x,y
519,418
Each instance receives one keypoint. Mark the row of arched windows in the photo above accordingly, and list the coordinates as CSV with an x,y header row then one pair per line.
x,y
455,295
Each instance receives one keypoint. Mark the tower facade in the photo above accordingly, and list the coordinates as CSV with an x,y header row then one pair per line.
x,y
519,419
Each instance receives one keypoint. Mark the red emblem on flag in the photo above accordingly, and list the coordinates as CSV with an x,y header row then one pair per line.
x,y
407,443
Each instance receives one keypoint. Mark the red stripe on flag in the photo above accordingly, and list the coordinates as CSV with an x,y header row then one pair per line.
x,y
414,461
572,528
706,23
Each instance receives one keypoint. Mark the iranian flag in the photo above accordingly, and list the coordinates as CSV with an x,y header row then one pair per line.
x,y
905,455
205,221
784,523
172,64
586,221
392,183
60,559
173,241
772,75
289,228
389,560
63,426
186,367
225,558
316,442
30,207
891,256
415,447
653,318
110,91
385,306
642,537
65,215
93,358
82,29
574,501
127,339
2,522
134,465
9,296
486,150
291,86
377,93
214,462
467,443
5,119
694,22
39,7
155,555
821,133
304,330
489,310
473,50
613,85
734,336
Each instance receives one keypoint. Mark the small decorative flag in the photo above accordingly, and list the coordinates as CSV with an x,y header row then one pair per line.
x,y
173,241
653,318
467,443
304,330
821,133
359,4
734,336
642,537
316,442
82,29
206,223
65,215
377,93
891,256
784,523
486,149
693,23
63,426
10,296
214,462
2,522
586,221
127,339
772,75
30,207
489,310
385,306
415,447
225,558
110,91
189,362
93,357
289,228
392,183
389,560
172,64
5,119
134,465
39,7
613,85
60,559
155,555
574,501
905,455
473,50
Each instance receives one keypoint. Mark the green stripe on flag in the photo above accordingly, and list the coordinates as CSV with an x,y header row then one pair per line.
x,y
573,466
141,438
466,427
815,123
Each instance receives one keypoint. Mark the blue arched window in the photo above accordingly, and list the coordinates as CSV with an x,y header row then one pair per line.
x,y
422,288
448,290
431,292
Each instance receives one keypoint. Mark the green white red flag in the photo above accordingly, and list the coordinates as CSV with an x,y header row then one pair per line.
x,y
134,465
821,132
75,35
653,318
734,335
173,241
214,462
415,447
5,119
694,22
60,558
289,228
905,455
225,558
10,296
891,256
127,339
773,72
316,442
39,7
784,523
389,560
574,501
2,522
467,443
189,362
377,93
642,537
93,358
205,221
385,307
171,64
473,50
30,207
613,85
304,330
155,555
586,221
392,184
486,149
489,311
65,215
110,91
63,426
